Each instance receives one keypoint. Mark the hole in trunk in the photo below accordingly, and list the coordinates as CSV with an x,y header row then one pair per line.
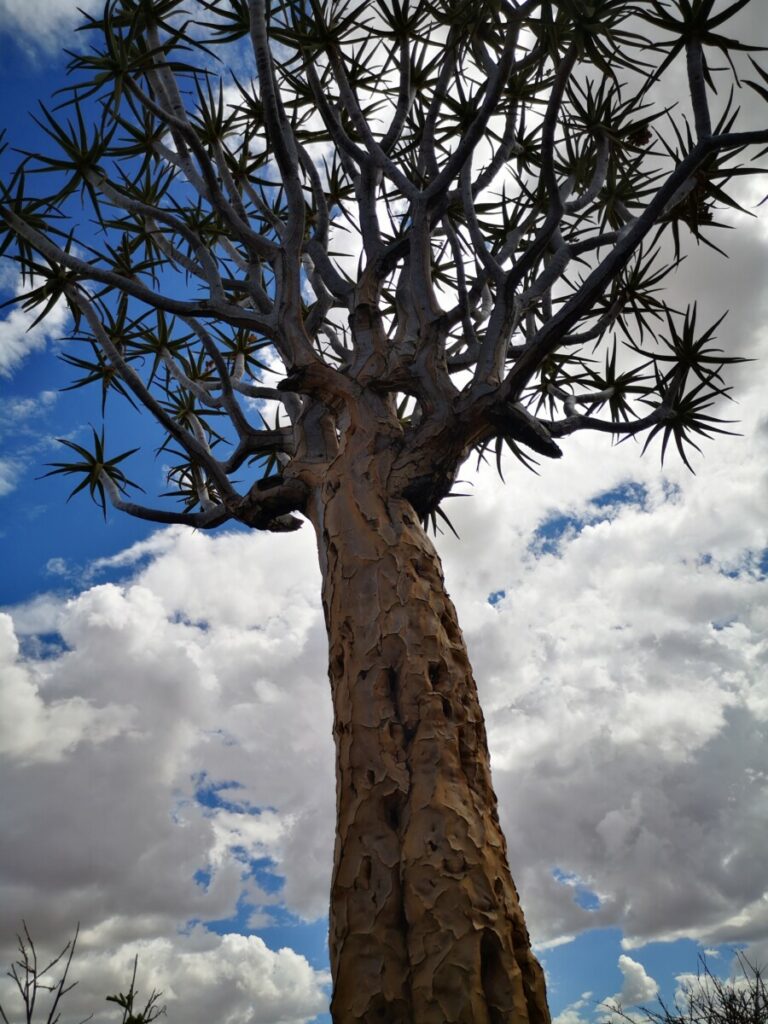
x,y
438,673
392,681
392,806
365,872
447,709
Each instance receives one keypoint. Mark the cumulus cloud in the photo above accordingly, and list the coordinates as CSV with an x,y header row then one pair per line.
x,y
623,666
144,695
20,336
638,986
35,730
623,678
232,979
574,1012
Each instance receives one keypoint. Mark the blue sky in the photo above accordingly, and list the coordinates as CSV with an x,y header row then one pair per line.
x,y
167,737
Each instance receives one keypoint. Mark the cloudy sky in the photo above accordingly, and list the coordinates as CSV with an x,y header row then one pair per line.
x,y
165,741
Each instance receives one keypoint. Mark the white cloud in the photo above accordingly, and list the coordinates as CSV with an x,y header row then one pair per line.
x,y
19,414
42,23
573,1013
19,425
17,410
638,986
39,731
623,724
624,676
570,1015
151,685
703,994
8,476
232,979
19,338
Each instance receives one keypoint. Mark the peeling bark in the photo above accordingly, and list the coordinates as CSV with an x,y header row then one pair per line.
x,y
425,922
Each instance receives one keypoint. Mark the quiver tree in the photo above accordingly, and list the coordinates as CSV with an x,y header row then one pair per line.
x,y
409,233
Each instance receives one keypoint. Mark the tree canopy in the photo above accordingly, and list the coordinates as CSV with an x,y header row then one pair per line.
x,y
466,209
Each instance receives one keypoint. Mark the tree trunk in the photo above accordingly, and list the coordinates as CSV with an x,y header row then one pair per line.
x,y
425,922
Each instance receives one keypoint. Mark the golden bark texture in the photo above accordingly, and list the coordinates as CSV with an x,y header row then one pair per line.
x,y
425,922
